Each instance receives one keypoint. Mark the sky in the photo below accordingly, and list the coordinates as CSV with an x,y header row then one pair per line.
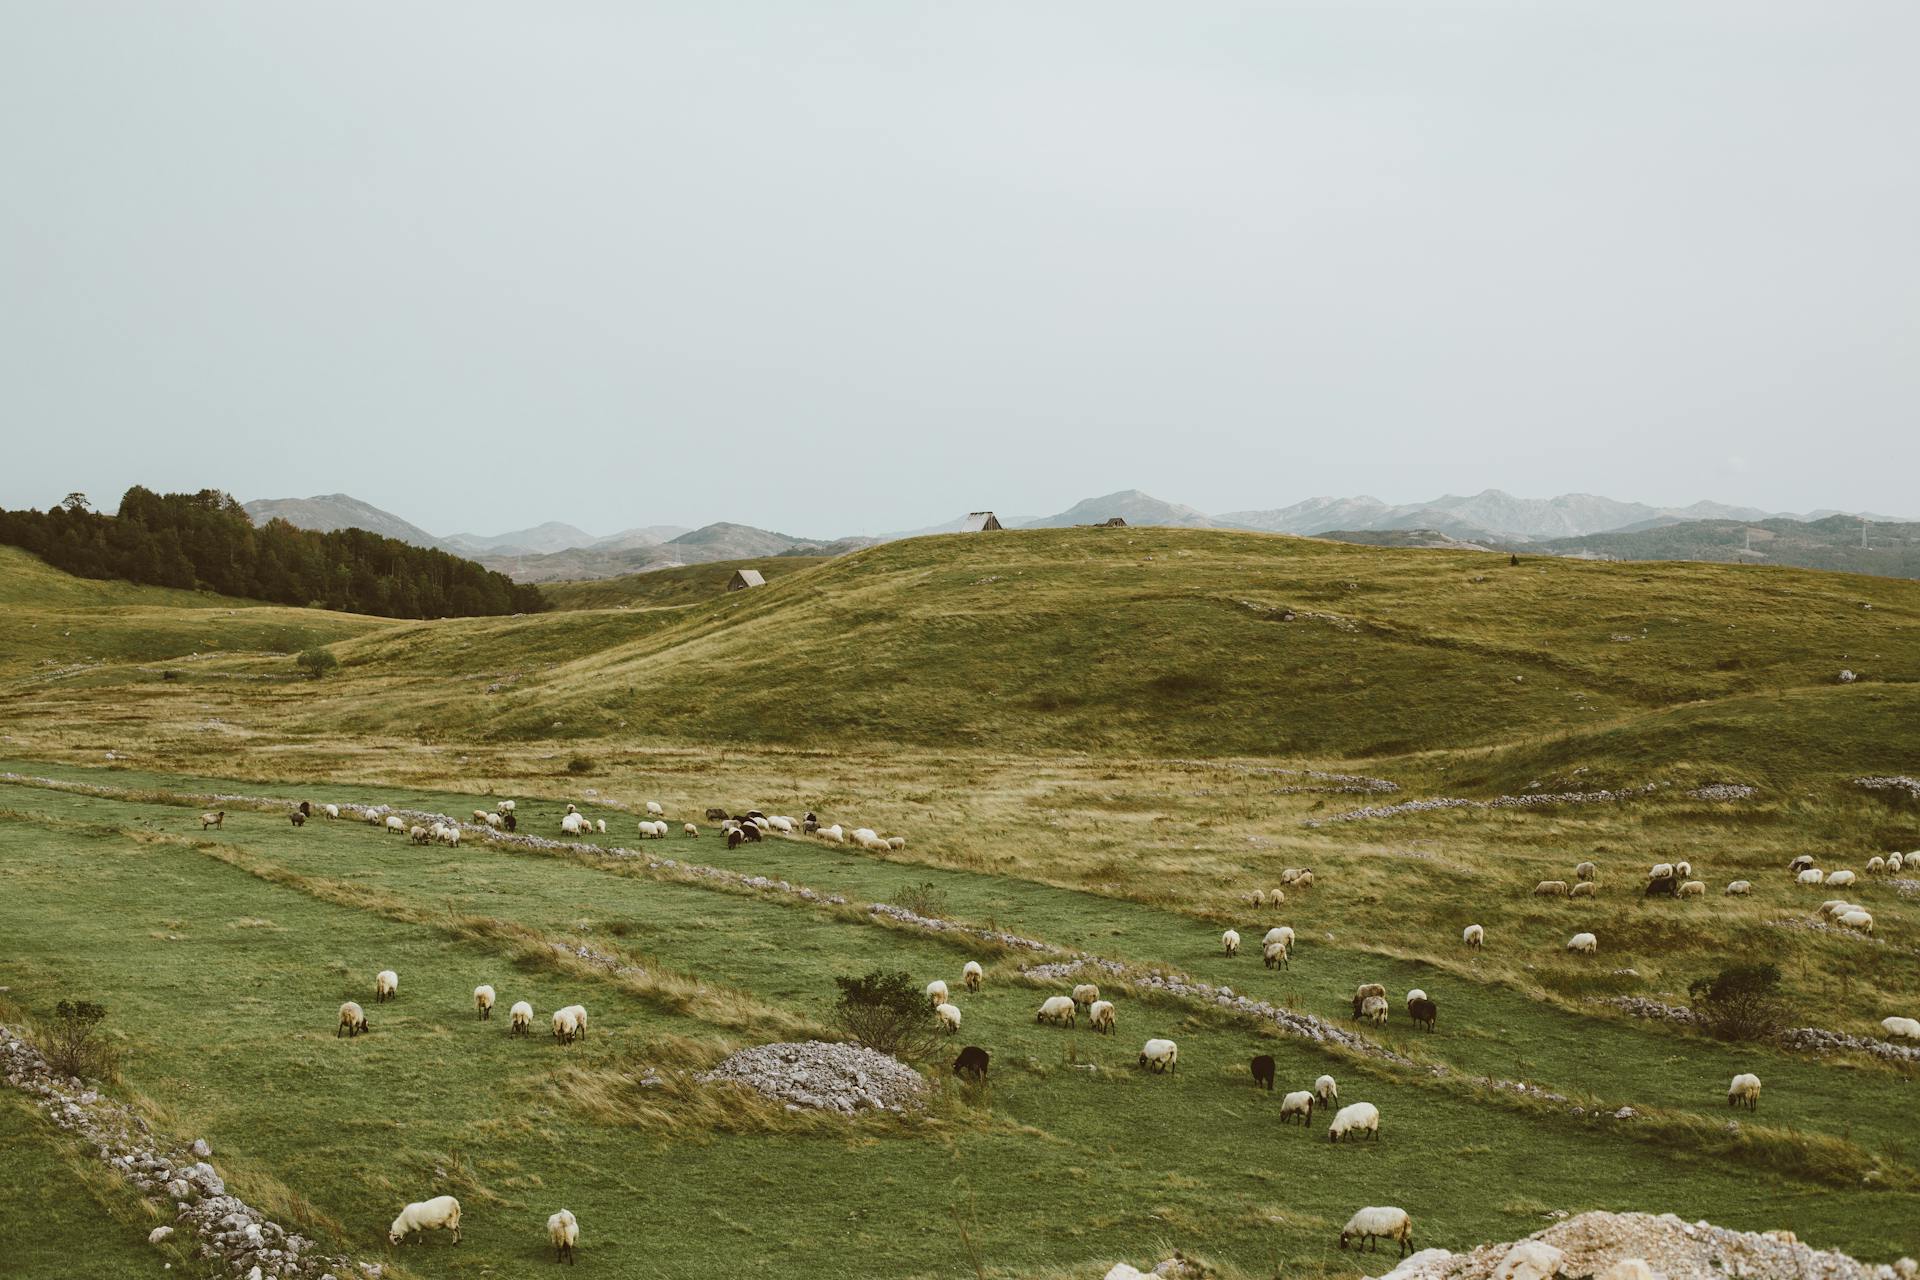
x,y
854,268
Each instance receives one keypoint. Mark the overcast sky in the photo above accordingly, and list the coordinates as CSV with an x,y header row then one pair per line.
x,y
859,267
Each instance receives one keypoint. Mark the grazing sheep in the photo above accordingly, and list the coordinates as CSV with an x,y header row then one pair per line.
x,y
1086,993
483,1001
1662,886
1159,1056
1857,919
896,843
654,810
450,836
972,975
353,1021
1744,1091
1475,936
832,834
600,826
1230,940
1274,956
386,986
1262,1068
573,808
1834,907
1842,878
579,1013
1372,1225
297,818
1682,870
1259,897
1291,874
506,806
520,1019
1416,994
1058,1010
573,824
971,1063
1355,1118
1366,989
785,827
1584,889
734,838
1423,1011
1662,871
1298,1103
512,823
1326,1090
212,819
1281,933
1374,1009
1584,943
494,820
437,1214
564,1230
480,815
949,1016
1895,861
565,1029
1304,880
1738,888
1800,863
936,993
1100,1017
396,824
688,829
1694,889
331,810
1550,889
418,834
1876,865
1275,898
1901,1028
1586,871
1810,876
863,836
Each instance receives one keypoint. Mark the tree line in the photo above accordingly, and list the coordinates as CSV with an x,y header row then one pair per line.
x,y
206,541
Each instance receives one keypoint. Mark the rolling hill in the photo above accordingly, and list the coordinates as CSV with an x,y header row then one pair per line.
x,y
681,584
1133,506
326,512
1836,542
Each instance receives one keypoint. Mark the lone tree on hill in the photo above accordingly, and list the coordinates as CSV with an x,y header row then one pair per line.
x,y
317,662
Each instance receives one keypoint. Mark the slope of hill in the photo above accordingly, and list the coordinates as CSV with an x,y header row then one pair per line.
x,y
714,542
578,564
1427,539
327,512
551,536
1132,506
1888,550
681,584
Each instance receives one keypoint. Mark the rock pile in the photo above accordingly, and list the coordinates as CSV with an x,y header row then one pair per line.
x,y
832,1077
1592,1243
232,1234
1718,791
1899,784
904,916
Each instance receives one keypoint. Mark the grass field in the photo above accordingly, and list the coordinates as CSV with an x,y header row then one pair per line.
x,y
1127,812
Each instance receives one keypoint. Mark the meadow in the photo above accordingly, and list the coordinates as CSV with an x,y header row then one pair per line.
x,y
1126,811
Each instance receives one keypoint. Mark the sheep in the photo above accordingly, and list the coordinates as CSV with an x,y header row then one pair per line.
x,y
297,818
1423,1012
1584,889
1366,989
896,843
353,1021
1230,941
1586,871
1304,880
331,810
1744,1091
1281,933
1374,1009
1895,861
600,826
1842,878
1415,994
1738,888
1086,993
1475,936
1550,889
832,834
573,824
573,808
418,834
1694,889
1058,1010
1661,871
1876,865
1374,1224
565,1029
509,821
1262,1069
506,806
1100,1017
1659,886
564,1230
1857,919
654,810
971,1063
1833,907
1326,1090
579,1014
1159,1056
376,816
1274,956
451,836
1275,897
520,1019
863,836
1901,1028
1298,1103
212,819
480,815
483,1001
1291,874
972,975
396,824
1355,1118
1259,897
785,827
1682,870
439,1213
494,820
386,986
1800,864
688,829
936,993
949,1017
1584,943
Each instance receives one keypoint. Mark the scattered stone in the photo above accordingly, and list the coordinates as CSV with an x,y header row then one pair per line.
x,y
158,1234
831,1077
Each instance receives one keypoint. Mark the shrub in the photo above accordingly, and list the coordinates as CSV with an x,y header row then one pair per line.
x,y
73,1043
170,674
887,1012
317,662
580,764
924,899
1740,1003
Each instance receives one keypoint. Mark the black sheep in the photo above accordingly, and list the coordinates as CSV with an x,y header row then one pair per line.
x,y
734,837
297,819
971,1063
1263,1071
1423,1012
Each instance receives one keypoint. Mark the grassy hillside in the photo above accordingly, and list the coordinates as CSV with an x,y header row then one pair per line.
x,y
684,584
1890,549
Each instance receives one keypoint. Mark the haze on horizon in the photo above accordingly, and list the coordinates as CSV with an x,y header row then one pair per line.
x,y
858,271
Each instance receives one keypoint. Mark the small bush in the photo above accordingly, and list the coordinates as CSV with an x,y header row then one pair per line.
x,y
887,1012
1740,1003
73,1043
925,899
580,764
317,663
169,674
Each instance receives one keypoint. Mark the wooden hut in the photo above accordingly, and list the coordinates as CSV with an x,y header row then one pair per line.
x,y
980,522
744,578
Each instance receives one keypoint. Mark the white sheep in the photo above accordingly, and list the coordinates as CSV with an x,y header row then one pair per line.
x,y
1586,871
1100,1017
1355,1118
1259,897
688,829
1415,994
438,1214
1895,861
1682,869
949,1016
520,1019
333,811
505,806
1475,936
1800,863
654,810
1842,878
573,808
1298,1103
573,824
396,823
1086,993
1365,989
353,1021
600,826
386,986
783,825
1901,1028
451,836
1230,941
1276,897
896,843
1274,955
1739,888
1661,871
483,1001
1833,907
1694,889
1374,1009
1376,1223
494,820
564,1027
1584,943
1281,933
1160,1056
936,993
832,834
479,815
1058,1010
1326,1090
1810,876
1550,889
1584,889
579,1014
1744,1091
863,836
563,1229
418,834
1876,865
972,975
1857,919
1304,880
